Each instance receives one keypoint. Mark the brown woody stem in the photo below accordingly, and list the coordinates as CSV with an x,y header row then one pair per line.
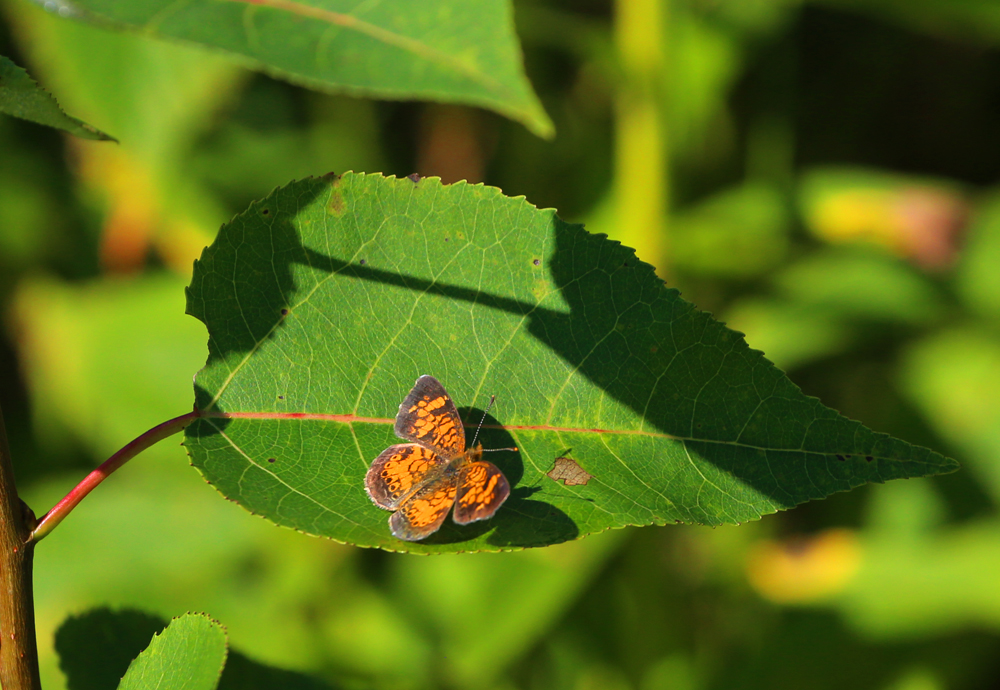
x,y
18,650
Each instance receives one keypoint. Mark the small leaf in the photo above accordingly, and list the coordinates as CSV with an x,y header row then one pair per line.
x,y
188,655
325,301
22,97
457,51
96,647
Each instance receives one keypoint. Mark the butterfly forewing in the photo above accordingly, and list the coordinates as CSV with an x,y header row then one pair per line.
x,y
428,417
421,514
482,489
400,471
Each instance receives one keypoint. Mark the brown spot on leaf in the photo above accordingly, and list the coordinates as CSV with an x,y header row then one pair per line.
x,y
568,471
335,207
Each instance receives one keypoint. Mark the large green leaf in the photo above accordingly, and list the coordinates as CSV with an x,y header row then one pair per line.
x,y
188,655
22,97
450,50
326,300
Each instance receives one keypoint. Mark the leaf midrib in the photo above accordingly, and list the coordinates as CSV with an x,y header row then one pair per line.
x,y
355,419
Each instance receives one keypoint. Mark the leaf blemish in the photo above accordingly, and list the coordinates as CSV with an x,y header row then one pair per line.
x,y
335,207
567,470
265,212
362,262
284,312
841,458
869,458
271,459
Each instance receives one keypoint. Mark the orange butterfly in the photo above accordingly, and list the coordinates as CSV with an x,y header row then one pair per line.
x,y
421,481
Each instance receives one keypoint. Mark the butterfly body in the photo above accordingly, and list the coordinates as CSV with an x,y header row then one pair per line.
x,y
422,480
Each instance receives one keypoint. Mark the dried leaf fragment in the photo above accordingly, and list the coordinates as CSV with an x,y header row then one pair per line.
x,y
568,471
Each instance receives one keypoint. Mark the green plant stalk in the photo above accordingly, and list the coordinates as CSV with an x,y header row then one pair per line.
x,y
642,177
61,509
18,648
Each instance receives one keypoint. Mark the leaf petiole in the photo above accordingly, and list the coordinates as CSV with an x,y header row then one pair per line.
x,y
61,509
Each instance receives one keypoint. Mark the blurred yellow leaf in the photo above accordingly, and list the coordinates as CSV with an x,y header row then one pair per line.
x,y
912,218
804,569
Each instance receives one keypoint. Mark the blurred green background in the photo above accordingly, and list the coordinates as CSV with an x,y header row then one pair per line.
x,y
820,175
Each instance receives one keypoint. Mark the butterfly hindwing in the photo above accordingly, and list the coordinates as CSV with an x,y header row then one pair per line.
x,y
482,489
421,514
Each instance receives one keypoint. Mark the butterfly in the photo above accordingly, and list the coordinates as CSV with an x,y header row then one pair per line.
x,y
422,480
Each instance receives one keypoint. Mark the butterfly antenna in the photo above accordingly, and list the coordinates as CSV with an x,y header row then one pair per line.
x,y
493,399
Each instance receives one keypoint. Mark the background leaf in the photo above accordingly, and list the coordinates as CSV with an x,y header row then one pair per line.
x,y
371,282
22,97
188,655
461,52
96,648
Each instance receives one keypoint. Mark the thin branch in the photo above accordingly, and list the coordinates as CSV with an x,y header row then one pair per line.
x,y
61,509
